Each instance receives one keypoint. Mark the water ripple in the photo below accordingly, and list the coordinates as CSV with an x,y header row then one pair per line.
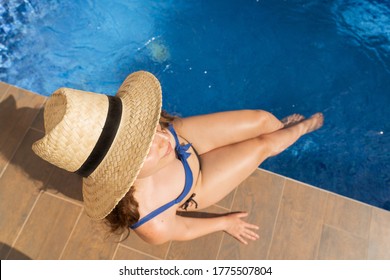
x,y
368,23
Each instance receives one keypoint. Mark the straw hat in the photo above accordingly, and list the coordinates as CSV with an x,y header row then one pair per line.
x,y
103,138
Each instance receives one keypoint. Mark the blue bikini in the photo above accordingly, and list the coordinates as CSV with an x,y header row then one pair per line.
x,y
182,154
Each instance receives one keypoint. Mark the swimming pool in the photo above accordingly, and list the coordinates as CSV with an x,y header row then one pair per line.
x,y
281,56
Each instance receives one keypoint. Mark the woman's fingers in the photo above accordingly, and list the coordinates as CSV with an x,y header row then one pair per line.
x,y
252,235
247,236
240,229
242,240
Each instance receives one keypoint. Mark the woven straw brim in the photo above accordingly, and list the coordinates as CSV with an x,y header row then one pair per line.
x,y
108,184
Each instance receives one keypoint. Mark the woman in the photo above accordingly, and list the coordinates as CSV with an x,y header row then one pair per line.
x,y
140,166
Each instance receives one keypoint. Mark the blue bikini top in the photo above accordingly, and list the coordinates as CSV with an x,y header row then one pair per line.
x,y
182,154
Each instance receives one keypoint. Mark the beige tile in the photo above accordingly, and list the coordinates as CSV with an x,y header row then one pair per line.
x,y
379,241
31,167
202,248
337,244
66,185
260,196
19,187
124,253
16,254
90,241
47,229
227,201
23,94
38,122
348,215
158,251
299,223
17,112
4,250
3,90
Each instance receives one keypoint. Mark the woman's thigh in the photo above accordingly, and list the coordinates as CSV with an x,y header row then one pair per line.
x,y
226,167
211,131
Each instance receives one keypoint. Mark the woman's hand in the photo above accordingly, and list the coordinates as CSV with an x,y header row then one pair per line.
x,y
239,229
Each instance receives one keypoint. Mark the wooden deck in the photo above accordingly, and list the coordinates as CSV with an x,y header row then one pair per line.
x,y
42,216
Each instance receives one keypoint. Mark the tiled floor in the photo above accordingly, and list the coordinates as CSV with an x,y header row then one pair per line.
x,y
42,217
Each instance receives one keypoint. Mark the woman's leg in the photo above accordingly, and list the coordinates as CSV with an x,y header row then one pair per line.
x,y
226,167
208,132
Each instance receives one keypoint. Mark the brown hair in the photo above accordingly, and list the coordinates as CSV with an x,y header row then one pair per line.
x,y
126,212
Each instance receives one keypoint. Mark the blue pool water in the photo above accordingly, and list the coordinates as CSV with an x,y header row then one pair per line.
x,y
281,56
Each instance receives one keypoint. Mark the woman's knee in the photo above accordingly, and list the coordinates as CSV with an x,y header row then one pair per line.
x,y
266,121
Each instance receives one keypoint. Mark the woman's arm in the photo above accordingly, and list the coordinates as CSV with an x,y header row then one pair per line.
x,y
185,228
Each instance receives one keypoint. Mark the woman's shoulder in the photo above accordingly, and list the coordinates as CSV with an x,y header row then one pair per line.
x,y
159,229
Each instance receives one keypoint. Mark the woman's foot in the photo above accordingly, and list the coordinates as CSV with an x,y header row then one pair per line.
x,y
313,123
280,140
291,120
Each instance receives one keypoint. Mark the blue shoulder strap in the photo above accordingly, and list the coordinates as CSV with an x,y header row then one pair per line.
x,y
182,154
